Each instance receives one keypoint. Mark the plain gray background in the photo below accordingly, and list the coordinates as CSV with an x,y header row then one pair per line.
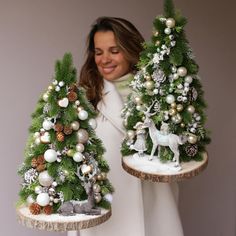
x,y
34,33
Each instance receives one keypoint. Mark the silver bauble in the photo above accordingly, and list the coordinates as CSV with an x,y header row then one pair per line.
x,y
79,147
75,125
170,98
45,179
50,155
182,71
92,123
83,115
170,22
82,136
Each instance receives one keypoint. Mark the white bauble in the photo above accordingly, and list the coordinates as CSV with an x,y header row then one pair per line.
x,y
182,71
30,200
54,184
83,115
47,124
37,141
79,147
167,30
78,157
170,22
170,98
108,197
188,79
57,88
36,135
45,97
55,82
77,102
175,76
50,155
43,199
82,136
61,83
93,123
45,179
45,138
191,109
38,189
75,125
130,134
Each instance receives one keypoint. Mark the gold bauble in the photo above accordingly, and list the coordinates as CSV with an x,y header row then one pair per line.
x,y
157,43
179,107
172,112
173,105
192,138
191,109
80,108
149,84
182,125
148,77
138,100
170,22
70,153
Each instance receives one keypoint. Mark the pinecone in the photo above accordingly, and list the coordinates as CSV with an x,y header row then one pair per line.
x,y
47,210
34,208
72,96
34,162
60,136
41,167
191,150
40,160
58,127
67,129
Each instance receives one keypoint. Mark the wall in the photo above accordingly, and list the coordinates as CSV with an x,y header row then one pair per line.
x,y
34,33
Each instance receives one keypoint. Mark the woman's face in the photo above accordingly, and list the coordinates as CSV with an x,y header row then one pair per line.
x,y
109,58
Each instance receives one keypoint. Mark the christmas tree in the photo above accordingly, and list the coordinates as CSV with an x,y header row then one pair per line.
x,y
63,157
165,113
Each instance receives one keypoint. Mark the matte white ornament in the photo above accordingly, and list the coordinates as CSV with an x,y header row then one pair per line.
x,y
93,123
54,184
43,199
182,71
78,157
47,124
30,200
170,98
108,197
77,102
83,115
167,30
170,22
45,179
37,141
57,88
38,189
75,125
79,147
55,82
61,83
82,136
188,79
63,102
50,155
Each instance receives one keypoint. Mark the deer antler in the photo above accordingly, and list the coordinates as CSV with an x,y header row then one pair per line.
x,y
147,112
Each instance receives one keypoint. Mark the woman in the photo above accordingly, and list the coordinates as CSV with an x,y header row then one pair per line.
x,y
113,51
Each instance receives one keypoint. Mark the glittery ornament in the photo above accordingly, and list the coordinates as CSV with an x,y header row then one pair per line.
x,y
30,176
67,129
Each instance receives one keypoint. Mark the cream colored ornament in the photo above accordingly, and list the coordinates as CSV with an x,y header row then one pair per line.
x,y
191,109
75,125
173,105
182,71
78,157
172,112
130,134
170,98
98,197
82,136
170,22
45,137
149,84
50,87
188,79
45,97
138,100
179,107
96,188
63,102
167,30
79,147
45,179
70,153
93,123
192,138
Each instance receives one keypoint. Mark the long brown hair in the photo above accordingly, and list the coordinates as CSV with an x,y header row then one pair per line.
x,y
128,39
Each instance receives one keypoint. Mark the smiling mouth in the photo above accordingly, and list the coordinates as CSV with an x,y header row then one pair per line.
x,y
107,70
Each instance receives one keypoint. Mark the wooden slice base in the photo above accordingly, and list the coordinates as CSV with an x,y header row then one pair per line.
x,y
157,171
56,222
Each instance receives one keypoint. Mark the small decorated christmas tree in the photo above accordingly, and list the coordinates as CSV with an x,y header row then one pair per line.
x,y
165,114
64,162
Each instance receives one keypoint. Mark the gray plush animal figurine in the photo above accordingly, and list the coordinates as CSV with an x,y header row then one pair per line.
x,y
66,209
